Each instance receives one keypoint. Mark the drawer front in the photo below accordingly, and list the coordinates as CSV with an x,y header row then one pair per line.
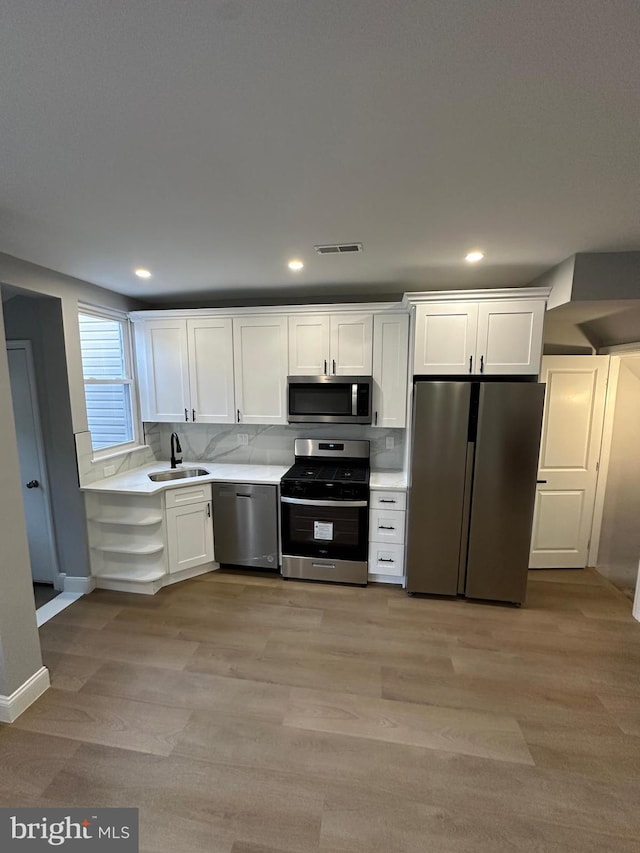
x,y
387,500
386,525
187,495
386,559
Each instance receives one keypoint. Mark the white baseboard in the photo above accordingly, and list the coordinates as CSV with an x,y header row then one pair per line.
x,y
12,706
81,585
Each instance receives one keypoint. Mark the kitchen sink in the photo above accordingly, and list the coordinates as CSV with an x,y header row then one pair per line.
x,y
177,474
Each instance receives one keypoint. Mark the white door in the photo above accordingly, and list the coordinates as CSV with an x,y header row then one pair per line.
x,y
569,457
390,356
509,337
189,536
210,346
351,344
35,490
260,361
445,341
308,344
163,369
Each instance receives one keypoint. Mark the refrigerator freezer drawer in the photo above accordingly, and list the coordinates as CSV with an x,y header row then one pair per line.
x,y
386,526
387,500
386,559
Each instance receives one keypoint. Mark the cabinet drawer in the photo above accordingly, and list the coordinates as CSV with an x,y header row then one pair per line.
x,y
387,500
386,559
187,495
386,525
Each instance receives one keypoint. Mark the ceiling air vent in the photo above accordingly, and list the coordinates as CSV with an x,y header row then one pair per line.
x,y
338,248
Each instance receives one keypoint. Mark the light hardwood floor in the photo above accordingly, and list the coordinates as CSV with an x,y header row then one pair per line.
x,y
246,714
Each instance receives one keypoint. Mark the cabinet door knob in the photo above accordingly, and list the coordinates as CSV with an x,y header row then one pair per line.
x,y
33,484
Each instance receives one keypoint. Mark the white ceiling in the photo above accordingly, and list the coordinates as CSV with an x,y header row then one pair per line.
x,y
212,140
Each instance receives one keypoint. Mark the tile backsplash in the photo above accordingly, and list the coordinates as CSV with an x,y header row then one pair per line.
x,y
268,445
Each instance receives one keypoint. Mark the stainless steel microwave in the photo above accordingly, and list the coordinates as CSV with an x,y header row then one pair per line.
x,y
329,399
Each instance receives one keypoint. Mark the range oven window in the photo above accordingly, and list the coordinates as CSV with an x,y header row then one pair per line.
x,y
339,533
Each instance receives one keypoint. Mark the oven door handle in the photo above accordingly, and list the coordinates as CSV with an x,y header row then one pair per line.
x,y
337,503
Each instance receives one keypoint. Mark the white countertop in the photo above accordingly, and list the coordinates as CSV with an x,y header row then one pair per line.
x,y
137,482
388,480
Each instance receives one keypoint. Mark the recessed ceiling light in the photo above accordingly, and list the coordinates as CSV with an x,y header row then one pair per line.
x,y
295,265
474,257
142,273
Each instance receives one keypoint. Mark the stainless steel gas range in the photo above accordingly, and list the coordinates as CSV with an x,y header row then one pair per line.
x,y
325,512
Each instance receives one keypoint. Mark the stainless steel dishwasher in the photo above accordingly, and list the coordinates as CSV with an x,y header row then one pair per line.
x,y
245,525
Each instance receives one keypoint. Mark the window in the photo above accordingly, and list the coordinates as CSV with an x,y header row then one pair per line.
x,y
108,382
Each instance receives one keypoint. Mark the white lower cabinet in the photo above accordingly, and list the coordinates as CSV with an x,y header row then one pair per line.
x,y
387,518
140,543
189,536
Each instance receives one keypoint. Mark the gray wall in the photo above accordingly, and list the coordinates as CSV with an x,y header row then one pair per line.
x,y
39,320
619,551
19,645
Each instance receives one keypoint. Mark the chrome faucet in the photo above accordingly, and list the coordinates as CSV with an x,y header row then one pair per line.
x,y
175,448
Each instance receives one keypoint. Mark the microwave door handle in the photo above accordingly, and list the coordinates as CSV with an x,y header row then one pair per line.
x,y
354,399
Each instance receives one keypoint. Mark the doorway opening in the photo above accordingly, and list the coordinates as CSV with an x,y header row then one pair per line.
x,y
53,507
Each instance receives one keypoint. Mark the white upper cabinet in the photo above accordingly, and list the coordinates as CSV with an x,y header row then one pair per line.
x,y
330,344
473,338
309,337
510,336
163,370
210,345
186,370
390,365
351,344
445,342
260,360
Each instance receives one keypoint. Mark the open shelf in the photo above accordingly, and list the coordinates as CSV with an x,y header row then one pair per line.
x,y
120,549
144,577
147,521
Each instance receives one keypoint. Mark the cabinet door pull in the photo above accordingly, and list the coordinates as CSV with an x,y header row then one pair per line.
x,y
193,415
385,527
325,367
470,364
238,414
385,560
186,414
387,500
208,510
375,420
334,367
481,364
541,481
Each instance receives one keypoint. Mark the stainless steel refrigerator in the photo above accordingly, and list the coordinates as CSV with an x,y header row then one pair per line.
x,y
473,482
